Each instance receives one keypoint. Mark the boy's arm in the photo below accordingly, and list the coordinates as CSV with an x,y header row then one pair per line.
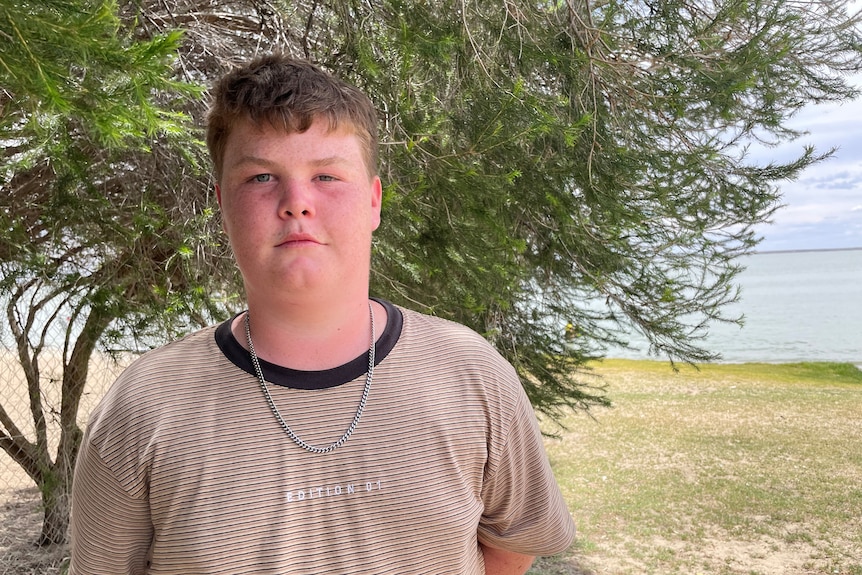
x,y
501,562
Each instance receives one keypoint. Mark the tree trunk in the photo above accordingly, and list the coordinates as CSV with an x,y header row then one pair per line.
x,y
56,505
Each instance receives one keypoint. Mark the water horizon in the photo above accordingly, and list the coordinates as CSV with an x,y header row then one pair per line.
x,y
798,305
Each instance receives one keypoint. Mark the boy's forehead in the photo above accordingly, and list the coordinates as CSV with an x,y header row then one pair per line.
x,y
246,129
292,124
255,143
269,127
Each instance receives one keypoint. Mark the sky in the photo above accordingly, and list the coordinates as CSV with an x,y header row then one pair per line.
x,y
823,207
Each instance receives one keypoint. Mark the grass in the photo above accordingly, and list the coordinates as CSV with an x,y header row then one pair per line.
x,y
752,469
20,523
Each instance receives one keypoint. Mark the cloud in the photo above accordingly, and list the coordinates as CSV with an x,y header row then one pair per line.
x,y
823,207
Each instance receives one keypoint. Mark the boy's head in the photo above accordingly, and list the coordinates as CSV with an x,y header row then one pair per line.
x,y
288,94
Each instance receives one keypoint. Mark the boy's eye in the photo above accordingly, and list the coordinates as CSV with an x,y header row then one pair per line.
x,y
325,178
262,177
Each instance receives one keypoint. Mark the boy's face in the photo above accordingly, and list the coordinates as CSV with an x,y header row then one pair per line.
x,y
299,209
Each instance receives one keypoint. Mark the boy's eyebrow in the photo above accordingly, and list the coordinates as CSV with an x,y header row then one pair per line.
x,y
258,161
252,160
329,160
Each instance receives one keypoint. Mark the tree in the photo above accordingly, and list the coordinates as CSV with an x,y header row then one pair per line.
x,y
577,162
544,164
88,113
586,163
565,161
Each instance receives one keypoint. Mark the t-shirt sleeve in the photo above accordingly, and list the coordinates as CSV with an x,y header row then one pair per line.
x,y
111,530
524,511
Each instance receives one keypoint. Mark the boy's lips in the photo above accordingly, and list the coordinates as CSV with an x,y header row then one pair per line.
x,y
298,239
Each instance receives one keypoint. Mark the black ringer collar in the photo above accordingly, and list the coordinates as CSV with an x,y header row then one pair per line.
x,y
299,379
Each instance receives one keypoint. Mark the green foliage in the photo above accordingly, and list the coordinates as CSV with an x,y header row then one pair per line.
x,y
585,163
70,72
100,158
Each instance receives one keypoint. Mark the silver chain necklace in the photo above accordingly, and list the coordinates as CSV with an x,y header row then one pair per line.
x,y
292,434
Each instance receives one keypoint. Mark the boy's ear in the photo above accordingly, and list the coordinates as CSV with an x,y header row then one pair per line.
x,y
376,201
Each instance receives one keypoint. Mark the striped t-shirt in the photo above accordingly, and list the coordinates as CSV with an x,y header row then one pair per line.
x,y
184,469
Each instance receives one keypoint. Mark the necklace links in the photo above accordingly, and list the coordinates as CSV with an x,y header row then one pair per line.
x,y
369,375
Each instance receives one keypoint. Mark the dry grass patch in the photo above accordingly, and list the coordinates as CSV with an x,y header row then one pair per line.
x,y
20,524
748,470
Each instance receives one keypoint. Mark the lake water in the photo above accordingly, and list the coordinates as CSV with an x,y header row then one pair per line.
x,y
798,306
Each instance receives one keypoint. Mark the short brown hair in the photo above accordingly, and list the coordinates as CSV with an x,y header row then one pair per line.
x,y
290,94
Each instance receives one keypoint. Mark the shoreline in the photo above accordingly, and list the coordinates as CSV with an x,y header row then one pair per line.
x,y
856,363
805,250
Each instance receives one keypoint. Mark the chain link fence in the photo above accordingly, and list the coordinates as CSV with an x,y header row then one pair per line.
x,y
15,400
